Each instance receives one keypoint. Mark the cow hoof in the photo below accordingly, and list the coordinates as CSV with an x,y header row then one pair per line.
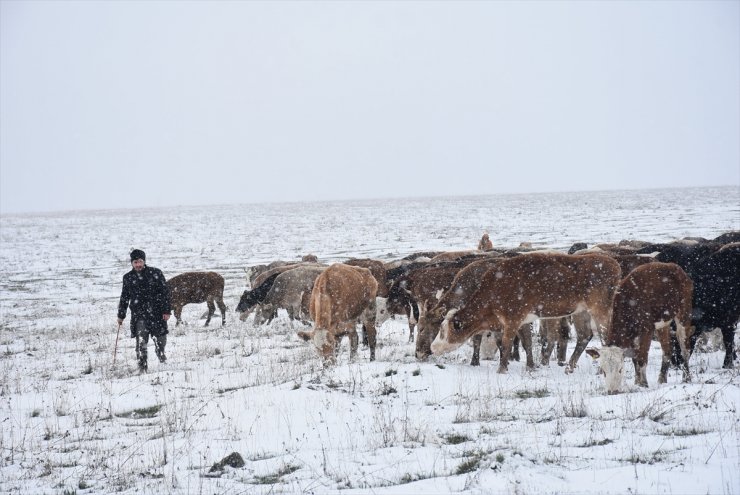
x,y
568,370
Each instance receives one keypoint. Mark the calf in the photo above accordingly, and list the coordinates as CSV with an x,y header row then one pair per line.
x,y
648,300
197,288
521,289
341,296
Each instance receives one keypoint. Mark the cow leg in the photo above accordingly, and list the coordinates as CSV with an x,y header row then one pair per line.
x,y
371,336
353,342
515,348
664,337
563,338
211,310
476,349
525,334
641,357
222,308
728,337
505,349
585,325
547,341
178,314
413,315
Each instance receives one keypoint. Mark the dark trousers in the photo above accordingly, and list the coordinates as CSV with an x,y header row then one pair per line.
x,y
142,340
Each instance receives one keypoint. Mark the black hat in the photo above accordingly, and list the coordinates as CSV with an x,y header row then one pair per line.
x,y
137,254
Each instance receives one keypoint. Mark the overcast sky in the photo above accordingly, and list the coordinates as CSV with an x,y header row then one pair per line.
x,y
136,104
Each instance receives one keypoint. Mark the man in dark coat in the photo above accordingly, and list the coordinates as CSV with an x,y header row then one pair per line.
x,y
145,292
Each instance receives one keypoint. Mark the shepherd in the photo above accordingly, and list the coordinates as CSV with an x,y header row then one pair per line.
x,y
145,292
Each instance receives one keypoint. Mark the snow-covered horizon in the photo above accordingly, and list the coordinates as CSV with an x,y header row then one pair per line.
x,y
72,421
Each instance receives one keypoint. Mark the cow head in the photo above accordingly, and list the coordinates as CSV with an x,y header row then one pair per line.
x,y
611,364
428,326
324,341
381,310
441,343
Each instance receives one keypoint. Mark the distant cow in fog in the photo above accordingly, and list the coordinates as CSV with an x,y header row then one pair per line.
x,y
197,288
648,301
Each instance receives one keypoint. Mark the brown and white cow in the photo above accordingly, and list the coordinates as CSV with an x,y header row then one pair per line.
x,y
536,285
648,300
465,281
342,295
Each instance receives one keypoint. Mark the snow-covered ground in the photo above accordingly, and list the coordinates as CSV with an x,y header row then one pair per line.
x,y
72,421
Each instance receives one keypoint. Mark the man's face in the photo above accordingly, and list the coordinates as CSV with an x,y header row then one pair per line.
x,y
138,265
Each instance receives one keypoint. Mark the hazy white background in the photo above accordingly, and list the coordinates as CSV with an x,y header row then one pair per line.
x,y
136,104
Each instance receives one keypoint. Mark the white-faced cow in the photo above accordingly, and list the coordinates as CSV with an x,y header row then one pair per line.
x,y
536,285
649,299
465,281
342,295
197,288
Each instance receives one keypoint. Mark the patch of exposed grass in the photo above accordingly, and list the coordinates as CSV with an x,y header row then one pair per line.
x,y
597,443
537,393
468,466
144,412
271,479
456,438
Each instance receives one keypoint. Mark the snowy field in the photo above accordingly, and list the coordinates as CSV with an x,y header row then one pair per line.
x,y
72,421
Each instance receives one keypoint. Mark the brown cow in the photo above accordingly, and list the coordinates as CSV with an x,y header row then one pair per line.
x,y
341,296
197,287
465,282
536,285
647,301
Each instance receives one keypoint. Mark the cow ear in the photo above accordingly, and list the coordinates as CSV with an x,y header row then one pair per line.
x,y
305,335
593,352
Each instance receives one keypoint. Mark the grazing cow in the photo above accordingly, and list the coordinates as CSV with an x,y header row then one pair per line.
x,y
290,290
715,271
197,288
521,289
251,298
424,282
465,282
342,295
262,285
648,300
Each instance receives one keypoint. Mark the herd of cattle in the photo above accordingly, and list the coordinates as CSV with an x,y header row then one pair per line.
x,y
628,293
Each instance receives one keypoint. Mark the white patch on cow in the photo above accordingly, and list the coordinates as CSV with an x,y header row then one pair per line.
x,y
441,342
412,320
320,337
660,324
664,280
381,310
539,307
438,295
632,303
499,275
530,318
611,362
